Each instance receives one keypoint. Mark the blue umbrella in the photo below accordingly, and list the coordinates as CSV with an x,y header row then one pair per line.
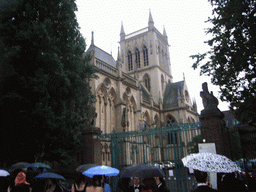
x,y
38,164
49,175
101,170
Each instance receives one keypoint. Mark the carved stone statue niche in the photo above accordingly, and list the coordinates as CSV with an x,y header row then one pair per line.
x,y
125,121
92,116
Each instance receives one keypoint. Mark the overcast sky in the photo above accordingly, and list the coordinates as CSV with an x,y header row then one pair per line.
x,y
184,22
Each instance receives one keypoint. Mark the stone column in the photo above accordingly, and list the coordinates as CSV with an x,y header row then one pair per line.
x,y
92,146
212,124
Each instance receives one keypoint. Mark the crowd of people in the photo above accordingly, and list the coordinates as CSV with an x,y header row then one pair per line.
x,y
25,182
136,184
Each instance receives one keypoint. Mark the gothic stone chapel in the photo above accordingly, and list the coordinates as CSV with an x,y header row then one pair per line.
x,y
138,86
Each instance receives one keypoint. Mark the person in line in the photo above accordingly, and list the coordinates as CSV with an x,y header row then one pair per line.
x,y
202,185
20,183
123,184
229,183
4,183
95,184
136,187
79,184
53,186
149,185
161,185
38,184
105,183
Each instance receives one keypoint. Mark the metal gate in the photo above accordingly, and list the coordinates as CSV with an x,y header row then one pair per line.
x,y
164,147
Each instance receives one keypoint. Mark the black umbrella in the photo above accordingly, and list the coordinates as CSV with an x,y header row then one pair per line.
x,y
85,167
142,171
49,175
20,165
39,164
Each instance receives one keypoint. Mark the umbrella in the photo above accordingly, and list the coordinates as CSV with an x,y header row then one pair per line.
x,y
4,173
101,170
142,171
38,164
49,175
210,162
85,167
20,165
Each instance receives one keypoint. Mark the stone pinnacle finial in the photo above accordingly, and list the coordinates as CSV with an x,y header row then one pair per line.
x,y
92,42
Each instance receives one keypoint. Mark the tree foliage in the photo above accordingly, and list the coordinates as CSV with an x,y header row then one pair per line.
x,y
44,76
232,57
193,144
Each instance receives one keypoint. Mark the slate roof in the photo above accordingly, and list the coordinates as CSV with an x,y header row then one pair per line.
x,y
171,94
105,57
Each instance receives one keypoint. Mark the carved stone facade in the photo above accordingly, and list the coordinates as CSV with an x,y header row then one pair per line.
x,y
138,84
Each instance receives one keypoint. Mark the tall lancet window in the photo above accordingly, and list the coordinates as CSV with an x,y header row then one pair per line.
x,y
137,59
147,82
130,65
145,55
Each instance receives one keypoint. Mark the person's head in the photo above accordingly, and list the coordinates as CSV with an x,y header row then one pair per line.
x,y
136,181
201,177
20,178
159,180
52,182
149,184
96,180
39,170
79,178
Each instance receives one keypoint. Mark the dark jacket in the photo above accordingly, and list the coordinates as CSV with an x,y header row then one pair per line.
x,y
21,188
163,188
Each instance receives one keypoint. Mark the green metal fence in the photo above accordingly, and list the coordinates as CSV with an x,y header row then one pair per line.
x,y
164,147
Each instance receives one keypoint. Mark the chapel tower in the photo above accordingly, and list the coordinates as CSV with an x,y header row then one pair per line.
x,y
145,55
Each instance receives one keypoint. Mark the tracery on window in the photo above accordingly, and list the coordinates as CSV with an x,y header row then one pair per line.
x,y
145,55
130,65
137,58
170,121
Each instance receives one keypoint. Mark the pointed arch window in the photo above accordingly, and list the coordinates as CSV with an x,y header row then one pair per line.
x,y
137,57
130,65
162,82
172,135
147,82
145,55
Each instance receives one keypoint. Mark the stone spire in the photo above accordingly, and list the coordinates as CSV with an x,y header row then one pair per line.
x,y
122,33
165,35
92,41
150,22
118,55
119,64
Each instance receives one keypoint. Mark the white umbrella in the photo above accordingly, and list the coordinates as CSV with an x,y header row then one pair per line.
x,y
210,162
4,173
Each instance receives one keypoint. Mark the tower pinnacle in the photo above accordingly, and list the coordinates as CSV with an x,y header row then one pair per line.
x,y
122,33
150,22
92,41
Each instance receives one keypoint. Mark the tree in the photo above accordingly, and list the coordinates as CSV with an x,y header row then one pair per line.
x,y
44,76
193,144
231,59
